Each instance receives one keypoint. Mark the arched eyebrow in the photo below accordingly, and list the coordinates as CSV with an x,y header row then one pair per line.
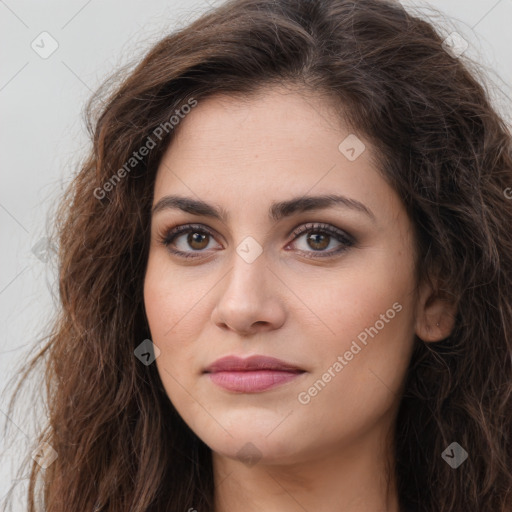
x,y
277,211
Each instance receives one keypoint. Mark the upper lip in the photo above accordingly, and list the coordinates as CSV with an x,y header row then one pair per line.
x,y
234,363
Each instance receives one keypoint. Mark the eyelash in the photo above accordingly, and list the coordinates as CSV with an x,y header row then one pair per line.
x,y
318,228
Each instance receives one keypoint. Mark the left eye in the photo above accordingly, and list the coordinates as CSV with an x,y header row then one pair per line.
x,y
319,238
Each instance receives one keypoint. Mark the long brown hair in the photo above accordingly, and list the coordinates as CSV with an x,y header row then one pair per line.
x,y
440,143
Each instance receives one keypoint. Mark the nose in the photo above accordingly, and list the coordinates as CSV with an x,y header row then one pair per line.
x,y
249,302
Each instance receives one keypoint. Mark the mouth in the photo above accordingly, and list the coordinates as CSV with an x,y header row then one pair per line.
x,y
251,375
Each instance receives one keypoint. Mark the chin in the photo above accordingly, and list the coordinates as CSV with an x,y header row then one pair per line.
x,y
256,447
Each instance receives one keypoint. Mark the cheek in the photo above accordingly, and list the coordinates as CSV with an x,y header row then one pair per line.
x,y
173,299
364,356
367,318
347,300
172,310
164,310
173,307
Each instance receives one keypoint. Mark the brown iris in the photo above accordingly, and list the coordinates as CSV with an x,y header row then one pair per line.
x,y
197,238
318,241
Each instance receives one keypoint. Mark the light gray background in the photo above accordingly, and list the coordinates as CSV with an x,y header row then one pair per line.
x,y
43,137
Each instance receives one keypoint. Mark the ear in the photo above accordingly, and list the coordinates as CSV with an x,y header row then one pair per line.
x,y
435,314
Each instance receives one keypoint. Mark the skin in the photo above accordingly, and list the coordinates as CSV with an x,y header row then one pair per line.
x,y
333,453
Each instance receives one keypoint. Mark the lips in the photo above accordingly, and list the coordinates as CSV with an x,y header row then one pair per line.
x,y
237,364
251,375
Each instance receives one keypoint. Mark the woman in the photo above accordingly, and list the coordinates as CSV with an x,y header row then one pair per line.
x,y
285,276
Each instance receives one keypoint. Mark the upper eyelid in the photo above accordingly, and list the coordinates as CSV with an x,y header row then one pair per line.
x,y
305,227
183,229
321,226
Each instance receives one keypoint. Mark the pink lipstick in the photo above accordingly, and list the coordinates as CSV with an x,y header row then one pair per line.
x,y
251,375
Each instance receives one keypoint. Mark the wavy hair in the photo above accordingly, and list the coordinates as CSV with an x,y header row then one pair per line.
x,y
440,144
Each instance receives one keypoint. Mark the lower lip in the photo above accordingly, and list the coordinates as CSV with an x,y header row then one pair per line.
x,y
252,381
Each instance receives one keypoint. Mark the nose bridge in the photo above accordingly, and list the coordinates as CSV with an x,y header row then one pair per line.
x,y
249,259
247,299
248,269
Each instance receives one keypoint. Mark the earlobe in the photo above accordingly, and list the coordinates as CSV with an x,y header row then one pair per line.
x,y
435,314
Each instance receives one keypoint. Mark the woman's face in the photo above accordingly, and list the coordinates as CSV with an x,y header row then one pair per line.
x,y
336,302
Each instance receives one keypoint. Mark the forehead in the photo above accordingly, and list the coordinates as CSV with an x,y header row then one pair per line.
x,y
271,115
279,142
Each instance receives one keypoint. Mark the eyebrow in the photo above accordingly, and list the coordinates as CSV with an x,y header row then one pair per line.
x,y
277,210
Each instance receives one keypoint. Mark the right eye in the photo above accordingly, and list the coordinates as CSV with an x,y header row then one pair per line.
x,y
181,239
